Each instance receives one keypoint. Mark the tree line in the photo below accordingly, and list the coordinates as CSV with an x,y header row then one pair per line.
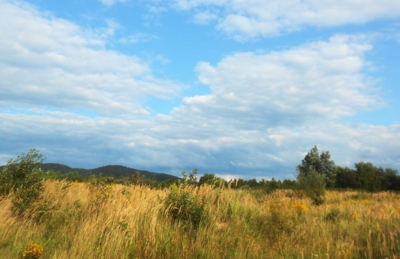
x,y
22,177
365,176
316,168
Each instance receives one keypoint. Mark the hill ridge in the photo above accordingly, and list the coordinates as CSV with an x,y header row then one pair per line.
x,y
108,170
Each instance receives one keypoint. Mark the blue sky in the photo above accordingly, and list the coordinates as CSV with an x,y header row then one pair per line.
x,y
237,88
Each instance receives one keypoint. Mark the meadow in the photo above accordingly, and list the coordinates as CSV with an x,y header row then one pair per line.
x,y
82,220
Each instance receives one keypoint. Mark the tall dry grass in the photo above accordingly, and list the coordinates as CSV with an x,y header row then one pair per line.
x,y
76,220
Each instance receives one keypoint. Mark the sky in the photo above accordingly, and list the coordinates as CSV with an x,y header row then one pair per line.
x,y
241,89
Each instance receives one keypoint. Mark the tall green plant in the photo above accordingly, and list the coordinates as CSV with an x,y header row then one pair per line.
x,y
182,204
23,178
313,184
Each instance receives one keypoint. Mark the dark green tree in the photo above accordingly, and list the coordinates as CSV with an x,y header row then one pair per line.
x,y
271,185
346,178
367,175
212,179
207,179
322,164
393,178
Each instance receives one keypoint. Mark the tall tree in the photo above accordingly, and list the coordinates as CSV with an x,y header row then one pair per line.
x,y
322,164
346,178
367,175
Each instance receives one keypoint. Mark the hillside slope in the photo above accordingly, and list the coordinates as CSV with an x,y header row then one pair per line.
x,y
109,170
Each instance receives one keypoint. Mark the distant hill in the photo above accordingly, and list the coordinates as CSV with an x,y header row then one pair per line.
x,y
109,170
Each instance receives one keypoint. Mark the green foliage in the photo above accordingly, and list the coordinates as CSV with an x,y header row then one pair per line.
x,y
189,180
271,186
23,178
313,185
346,178
207,179
322,164
392,179
212,180
367,177
182,204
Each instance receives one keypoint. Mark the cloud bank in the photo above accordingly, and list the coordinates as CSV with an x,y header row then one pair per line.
x,y
248,19
51,62
63,92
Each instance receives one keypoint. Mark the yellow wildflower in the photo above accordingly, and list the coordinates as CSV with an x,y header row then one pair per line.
x,y
300,207
33,251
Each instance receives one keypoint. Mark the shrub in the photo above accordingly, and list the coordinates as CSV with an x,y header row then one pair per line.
x,y
23,178
313,184
181,204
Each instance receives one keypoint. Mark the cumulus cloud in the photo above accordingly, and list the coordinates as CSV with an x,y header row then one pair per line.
x,y
51,62
244,19
85,142
318,81
265,110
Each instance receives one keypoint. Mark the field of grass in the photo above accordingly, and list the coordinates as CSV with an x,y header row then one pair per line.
x,y
78,220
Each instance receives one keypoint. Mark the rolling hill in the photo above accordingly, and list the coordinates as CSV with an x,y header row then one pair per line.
x,y
109,170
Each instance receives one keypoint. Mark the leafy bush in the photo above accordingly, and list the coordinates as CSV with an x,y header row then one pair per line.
x,y
182,205
23,178
313,184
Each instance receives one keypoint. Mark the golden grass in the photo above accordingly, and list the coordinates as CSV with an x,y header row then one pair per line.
x,y
76,220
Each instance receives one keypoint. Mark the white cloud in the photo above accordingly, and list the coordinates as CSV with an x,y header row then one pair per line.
x,y
51,62
265,110
137,37
80,141
108,31
111,2
321,80
204,17
244,19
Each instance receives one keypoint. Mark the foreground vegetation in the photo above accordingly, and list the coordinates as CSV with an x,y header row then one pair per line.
x,y
82,220
48,215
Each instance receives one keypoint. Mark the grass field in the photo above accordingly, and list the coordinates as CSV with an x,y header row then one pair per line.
x,y
78,220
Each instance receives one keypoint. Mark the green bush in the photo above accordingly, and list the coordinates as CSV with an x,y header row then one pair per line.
x,y
313,185
22,178
182,205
